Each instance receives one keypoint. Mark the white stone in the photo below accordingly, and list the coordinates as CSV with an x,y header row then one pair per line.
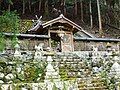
x,y
17,46
49,59
49,85
50,67
17,53
10,82
38,53
115,69
95,69
9,76
116,58
34,86
1,75
18,69
1,81
5,87
59,85
24,88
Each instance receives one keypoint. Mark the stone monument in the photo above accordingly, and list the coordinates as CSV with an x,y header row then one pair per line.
x,y
52,76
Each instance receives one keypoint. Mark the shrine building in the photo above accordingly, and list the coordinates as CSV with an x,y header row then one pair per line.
x,y
63,35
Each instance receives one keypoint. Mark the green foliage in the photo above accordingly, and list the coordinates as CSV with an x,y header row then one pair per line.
x,y
9,2
64,86
9,22
54,87
29,73
25,25
69,2
34,1
14,41
2,42
109,80
63,74
32,72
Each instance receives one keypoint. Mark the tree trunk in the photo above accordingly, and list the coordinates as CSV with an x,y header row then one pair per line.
x,y
9,7
64,7
81,7
99,19
75,7
23,12
46,9
91,18
40,4
29,2
119,15
119,24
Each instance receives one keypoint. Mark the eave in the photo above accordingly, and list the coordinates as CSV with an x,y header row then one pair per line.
x,y
97,39
28,35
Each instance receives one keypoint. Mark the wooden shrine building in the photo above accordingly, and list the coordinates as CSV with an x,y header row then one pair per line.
x,y
60,32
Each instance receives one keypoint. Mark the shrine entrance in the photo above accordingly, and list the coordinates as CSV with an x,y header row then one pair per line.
x,y
55,43
61,41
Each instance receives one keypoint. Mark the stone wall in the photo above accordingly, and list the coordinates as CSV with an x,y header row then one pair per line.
x,y
87,46
27,44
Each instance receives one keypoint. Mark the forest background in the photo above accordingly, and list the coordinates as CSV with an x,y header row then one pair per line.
x,y
101,17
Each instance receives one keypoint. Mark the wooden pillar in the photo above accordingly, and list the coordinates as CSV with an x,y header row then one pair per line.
x,y
49,38
72,41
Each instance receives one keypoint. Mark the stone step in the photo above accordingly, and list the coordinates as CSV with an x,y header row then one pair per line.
x,y
85,87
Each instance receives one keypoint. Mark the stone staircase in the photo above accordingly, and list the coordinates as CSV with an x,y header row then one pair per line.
x,y
76,69
67,67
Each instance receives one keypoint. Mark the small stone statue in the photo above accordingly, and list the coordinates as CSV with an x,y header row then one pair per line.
x,y
38,53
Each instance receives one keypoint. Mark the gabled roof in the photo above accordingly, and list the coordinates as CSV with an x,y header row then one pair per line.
x,y
36,26
62,19
83,35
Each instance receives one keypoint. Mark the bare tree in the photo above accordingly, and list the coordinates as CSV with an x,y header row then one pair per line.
x,y
64,7
29,3
40,2
23,9
81,7
75,7
91,18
